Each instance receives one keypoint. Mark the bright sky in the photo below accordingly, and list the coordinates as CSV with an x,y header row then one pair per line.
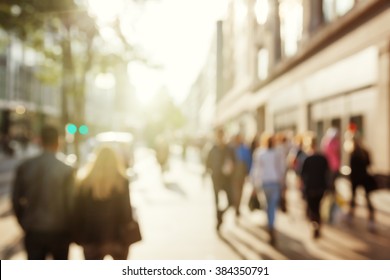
x,y
177,34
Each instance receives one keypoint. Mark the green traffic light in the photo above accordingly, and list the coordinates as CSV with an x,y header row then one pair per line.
x,y
83,129
71,128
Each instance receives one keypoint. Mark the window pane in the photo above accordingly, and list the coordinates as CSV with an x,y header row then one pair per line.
x,y
291,15
342,7
261,11
328,8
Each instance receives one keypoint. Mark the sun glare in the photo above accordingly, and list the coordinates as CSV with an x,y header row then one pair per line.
x,y
178,41
145,80
105,11
105,81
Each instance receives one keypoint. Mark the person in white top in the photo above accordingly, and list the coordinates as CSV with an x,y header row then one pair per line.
x,y
267,173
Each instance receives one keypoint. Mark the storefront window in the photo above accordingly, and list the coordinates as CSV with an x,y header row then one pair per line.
x,y
356,124
336,123
319,130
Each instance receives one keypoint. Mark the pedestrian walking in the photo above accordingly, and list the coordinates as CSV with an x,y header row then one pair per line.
x,y
315,178
331,149
220,163
243,164
254,202
103,211
267,174
254,144
296,157
360,162
162,153
204,153
283,147
42,200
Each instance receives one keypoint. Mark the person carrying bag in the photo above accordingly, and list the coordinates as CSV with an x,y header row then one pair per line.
x,y
104,222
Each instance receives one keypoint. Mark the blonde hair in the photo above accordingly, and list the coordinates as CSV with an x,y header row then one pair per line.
x,y
104,175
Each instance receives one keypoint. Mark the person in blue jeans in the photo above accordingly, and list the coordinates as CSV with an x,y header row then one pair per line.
x,y
267,173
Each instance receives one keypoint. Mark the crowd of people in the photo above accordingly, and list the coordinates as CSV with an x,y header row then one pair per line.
x,y
56,205
266,162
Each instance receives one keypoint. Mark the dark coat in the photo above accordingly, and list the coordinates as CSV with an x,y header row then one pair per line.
x,y
100,221
315,175
217,157
360,161
42,194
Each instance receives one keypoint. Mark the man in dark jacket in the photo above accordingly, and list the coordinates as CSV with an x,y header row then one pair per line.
x,y
315,177
220,162
42,199
360,162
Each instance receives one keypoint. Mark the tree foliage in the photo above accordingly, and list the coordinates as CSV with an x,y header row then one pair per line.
x,y
70,44
162,116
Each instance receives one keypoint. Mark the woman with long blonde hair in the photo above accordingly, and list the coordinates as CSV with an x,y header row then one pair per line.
x,y
102,207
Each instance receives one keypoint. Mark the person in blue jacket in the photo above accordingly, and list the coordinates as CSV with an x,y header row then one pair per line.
x,y
243,165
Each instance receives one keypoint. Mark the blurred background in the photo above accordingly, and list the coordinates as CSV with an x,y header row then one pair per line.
x,y
137,73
